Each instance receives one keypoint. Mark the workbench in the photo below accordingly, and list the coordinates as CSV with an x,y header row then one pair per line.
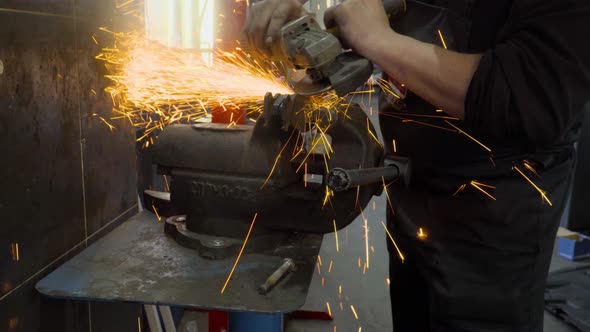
x,y
138,263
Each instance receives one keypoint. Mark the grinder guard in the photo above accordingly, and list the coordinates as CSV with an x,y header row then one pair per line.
x,y
219,172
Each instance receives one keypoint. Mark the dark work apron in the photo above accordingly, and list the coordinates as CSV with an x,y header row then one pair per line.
x,y
483,264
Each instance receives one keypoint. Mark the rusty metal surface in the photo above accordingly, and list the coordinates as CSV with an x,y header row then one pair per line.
x,y
138,263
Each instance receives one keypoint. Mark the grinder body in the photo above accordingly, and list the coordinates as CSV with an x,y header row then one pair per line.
x,y
304,45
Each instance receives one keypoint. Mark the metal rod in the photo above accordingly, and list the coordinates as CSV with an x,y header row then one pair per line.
x,y
273,280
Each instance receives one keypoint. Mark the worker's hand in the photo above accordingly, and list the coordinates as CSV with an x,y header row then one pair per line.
x,y
358,20
265,20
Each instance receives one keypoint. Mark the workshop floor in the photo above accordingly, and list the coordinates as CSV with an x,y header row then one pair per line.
x,y
367,291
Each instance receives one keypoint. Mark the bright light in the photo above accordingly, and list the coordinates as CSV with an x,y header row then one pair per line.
x,y
187,24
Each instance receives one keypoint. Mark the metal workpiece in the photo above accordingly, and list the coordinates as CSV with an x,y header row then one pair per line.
x,y
287,267
138,263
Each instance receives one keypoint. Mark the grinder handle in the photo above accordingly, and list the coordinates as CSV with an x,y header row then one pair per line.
x,y
393,8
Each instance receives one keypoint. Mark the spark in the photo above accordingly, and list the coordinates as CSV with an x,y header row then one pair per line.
x,y
478,187
94,39
417,122
387,195
156,212
372,249
329,193
39,13
330,266
139,324
365,268
329,309
111,127
371,132
543,194
354,312
359,262
13,324
387,281
463,186
425,116
469,136
239,254
360,329
336,235
384,86
394,147
341,307
442,39
334,328
319,268
156,85
167,186
121,5
401,256
421,234
277,159
323,281
320,260
530,167
14,251
484,185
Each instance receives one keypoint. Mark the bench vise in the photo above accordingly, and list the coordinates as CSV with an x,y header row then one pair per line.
x,y
223,175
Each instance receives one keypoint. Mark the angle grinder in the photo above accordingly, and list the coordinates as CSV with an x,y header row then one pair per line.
x,y
304,45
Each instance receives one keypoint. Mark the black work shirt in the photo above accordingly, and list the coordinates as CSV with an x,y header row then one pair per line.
x,y
526,98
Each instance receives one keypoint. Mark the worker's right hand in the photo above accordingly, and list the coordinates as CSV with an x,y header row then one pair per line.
x,y
265,20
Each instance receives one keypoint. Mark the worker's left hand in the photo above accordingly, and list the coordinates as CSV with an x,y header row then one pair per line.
x,y
358,20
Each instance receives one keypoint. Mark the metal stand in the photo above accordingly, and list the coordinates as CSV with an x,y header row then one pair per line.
x,y
138,263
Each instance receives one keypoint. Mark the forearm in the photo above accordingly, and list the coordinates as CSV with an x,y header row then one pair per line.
x,y
439,76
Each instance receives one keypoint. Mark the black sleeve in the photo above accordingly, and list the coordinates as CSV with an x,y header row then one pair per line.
x,y
530,89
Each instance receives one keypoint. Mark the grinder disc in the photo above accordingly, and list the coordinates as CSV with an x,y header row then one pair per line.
x,y
345,74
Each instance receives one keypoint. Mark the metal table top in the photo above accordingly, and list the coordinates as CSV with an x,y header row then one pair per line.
x,y
137,262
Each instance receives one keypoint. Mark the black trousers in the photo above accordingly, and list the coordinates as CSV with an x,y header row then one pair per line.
x,y
483,263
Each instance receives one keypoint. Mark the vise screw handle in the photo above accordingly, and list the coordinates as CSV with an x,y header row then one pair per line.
x,y
395,168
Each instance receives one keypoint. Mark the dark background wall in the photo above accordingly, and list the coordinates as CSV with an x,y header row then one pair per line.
x,y
65,178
